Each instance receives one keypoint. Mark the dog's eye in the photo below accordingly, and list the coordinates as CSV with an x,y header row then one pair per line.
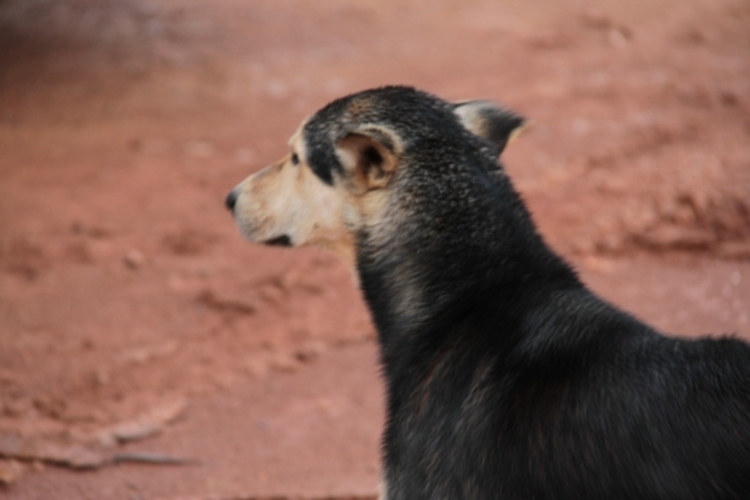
x,y
295,159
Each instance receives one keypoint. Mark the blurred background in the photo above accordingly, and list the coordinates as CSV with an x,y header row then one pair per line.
x,y
136,324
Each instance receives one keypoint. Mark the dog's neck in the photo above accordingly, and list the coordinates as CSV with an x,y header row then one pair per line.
x,y
428,278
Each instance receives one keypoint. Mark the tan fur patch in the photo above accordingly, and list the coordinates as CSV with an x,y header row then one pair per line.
x,y
361,106
287,199
517,132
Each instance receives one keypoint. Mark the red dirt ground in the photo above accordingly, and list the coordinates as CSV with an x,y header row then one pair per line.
x,y
129,300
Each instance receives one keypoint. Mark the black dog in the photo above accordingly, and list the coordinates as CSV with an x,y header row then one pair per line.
x,y
506,377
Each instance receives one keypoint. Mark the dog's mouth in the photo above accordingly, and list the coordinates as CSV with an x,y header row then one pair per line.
x,y
279,241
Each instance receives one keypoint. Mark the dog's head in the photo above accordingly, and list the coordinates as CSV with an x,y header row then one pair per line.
x,y
344,162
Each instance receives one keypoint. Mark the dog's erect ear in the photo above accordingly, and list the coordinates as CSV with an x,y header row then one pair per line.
x,y
370,154
489,121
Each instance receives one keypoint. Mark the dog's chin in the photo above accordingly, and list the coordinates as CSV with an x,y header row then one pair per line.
x,y
252,236
279,241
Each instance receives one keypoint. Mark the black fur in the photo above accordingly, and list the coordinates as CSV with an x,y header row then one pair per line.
x,y
506,377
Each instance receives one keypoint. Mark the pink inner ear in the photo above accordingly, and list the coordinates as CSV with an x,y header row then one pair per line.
x,y
358,150
350,150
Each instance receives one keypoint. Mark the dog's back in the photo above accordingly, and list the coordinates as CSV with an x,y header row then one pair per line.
x,y
612,410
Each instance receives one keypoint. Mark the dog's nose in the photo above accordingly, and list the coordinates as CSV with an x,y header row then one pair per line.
x,y
231,200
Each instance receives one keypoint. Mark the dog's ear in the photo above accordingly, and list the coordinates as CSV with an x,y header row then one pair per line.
x,y
370,154
489,121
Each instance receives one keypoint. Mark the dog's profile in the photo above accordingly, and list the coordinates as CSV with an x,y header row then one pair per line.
x,y
506,377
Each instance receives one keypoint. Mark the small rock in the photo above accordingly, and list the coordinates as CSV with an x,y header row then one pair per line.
x,y
619,37
134,259
272,293
285,363
596,21
10,472
310,351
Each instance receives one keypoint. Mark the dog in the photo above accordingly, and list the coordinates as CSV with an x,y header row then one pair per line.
x,y
506,378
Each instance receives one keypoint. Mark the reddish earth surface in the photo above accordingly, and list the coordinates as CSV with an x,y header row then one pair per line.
x,y
136,324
